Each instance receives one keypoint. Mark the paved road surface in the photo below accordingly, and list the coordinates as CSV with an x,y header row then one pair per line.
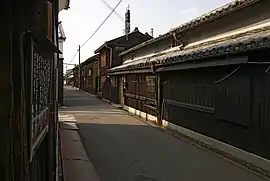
x,y
122,148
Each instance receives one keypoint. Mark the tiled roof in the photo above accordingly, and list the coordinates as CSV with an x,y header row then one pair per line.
x,y
116,40
89,60
216,13
151,41
221,11
242,42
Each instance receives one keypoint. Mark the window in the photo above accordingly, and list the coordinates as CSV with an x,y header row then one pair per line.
x,y
151,87
103,78
103,59
89,72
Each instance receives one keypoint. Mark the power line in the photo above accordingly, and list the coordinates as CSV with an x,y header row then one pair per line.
x,y
111,8
73,56
102,22
98,27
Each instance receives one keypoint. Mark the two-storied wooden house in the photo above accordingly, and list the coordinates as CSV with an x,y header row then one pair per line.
x,y
89,75
109,58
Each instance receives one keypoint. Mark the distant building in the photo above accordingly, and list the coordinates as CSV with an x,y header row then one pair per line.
x,y
109,58
89,75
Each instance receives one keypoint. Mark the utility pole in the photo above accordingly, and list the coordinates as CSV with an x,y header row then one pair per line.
x,y
79,81
66,74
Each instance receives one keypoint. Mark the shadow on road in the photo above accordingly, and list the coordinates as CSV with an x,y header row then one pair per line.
x,y
122,148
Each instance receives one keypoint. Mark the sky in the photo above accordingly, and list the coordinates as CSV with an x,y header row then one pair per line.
x,y
84,17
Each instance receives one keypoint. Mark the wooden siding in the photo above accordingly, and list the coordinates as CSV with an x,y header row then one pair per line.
x,y
233,110
140,93
103,59
109,58
28,89
89,76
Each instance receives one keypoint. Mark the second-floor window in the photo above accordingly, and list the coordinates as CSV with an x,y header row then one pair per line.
x,y
151,87
90,72
103,59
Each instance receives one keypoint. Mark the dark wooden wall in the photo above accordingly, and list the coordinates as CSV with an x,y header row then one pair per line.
x,y
6,168
91,79
89,75
104,82
115,89
25,91
140,93
108,92
60,81
234,110
228,103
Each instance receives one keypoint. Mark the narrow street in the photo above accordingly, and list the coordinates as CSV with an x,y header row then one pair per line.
x,y
123,148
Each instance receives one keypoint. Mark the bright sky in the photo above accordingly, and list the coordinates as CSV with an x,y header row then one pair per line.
x,y
84,16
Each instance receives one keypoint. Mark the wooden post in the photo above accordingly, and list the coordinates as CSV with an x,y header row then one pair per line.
x,y
79,68
60,81
159,98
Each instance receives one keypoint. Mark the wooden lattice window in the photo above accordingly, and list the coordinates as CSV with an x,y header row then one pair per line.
x,y
151,86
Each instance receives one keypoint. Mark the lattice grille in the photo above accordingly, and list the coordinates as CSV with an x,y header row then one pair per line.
x,y
40,95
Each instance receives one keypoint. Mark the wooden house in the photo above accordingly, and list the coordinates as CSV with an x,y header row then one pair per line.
x,y
29,103
89,75
109,58
209,75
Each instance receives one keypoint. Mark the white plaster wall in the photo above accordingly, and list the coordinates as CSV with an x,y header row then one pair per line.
x,y
140,114
61,48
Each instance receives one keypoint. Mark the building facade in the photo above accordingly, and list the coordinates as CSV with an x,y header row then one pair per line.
x,y
109,58
89,75
28,125
209,75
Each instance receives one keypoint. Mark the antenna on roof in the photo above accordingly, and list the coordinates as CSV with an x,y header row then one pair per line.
x,y
152,32
127,22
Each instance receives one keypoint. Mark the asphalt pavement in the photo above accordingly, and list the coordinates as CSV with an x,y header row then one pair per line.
x,y
123,148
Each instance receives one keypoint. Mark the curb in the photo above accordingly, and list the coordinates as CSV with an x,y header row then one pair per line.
x,y
83,169
225,155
